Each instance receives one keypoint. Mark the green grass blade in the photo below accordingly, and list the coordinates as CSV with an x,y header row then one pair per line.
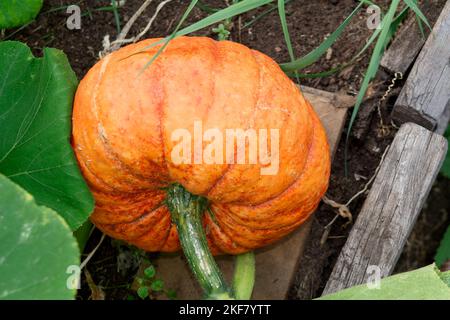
x,y
116,16
287,36
208,9
395,24
332,71
315,55
413,6
262,15
376,57
373,67
322,74
229,12
420,24
167,40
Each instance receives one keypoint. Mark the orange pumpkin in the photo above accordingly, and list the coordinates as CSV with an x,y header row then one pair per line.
x,y
123,120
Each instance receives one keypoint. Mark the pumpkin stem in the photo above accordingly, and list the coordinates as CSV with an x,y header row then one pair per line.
x,y
187,210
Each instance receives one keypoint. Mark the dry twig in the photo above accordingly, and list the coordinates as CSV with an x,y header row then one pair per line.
x,y
109,47
343,209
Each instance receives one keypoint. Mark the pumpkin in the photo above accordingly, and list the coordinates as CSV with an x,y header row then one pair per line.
x,y
125,113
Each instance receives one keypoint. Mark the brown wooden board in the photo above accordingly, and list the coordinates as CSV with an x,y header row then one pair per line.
x,y
409,40
425,97
276,264
391,208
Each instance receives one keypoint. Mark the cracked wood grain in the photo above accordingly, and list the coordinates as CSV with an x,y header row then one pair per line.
x,y
407,43
425,97
391,208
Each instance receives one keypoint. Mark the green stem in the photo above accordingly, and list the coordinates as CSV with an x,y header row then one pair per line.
x,y
187,210
244,276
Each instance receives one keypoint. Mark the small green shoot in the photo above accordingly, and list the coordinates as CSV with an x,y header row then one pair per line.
x,y
157,285
149,285
222,32
150,272
142,292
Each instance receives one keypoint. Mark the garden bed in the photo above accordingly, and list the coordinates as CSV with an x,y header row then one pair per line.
x,y
114,266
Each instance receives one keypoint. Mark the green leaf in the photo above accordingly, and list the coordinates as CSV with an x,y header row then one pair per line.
x,y
83,233
36,97
15,13
445,170
421,284
443,252
36,248
150,272
157,285
142,292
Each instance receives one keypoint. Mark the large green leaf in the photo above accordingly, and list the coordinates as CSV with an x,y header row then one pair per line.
x,y
36,248
422,284
15,13
36,97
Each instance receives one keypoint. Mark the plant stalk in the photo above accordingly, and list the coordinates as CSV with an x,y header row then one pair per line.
x,y
187,210
244,276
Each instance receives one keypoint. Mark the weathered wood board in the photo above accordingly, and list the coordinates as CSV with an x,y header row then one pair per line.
x,y
407,43
391,208
276,264
425,97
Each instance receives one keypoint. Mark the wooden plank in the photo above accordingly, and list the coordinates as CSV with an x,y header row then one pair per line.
x,y
276,264
391,208
425,97
407,43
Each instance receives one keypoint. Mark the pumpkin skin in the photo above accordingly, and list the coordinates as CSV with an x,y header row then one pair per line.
x,y
123,118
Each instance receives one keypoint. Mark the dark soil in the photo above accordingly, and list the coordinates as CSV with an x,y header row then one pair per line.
x,y
114,265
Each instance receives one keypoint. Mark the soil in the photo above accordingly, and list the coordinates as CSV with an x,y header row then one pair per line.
x,y
114,265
